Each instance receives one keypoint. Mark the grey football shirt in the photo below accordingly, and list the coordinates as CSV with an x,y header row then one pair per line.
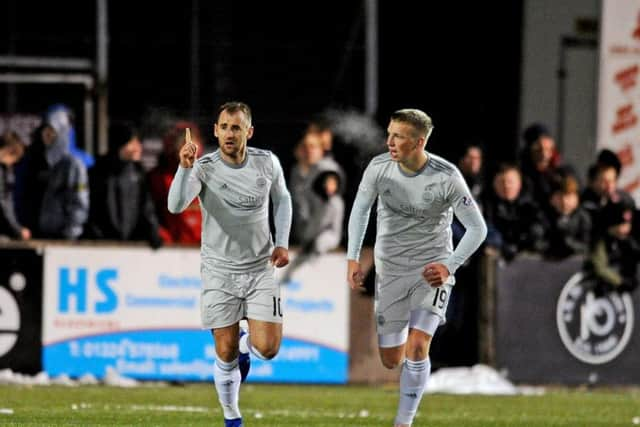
x,y
414,215
234,201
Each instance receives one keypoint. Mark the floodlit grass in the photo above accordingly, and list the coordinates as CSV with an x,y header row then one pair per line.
x,y
301,405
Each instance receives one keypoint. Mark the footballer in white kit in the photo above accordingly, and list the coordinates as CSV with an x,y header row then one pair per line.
x,y
417,193
234,185
413,229
237,276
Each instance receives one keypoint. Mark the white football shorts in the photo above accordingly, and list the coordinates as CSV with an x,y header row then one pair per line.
x,y
227,298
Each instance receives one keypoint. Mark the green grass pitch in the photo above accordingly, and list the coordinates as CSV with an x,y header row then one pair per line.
x,y
305,405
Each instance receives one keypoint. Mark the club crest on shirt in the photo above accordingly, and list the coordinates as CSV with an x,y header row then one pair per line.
x,y
428,196
381,320
261,181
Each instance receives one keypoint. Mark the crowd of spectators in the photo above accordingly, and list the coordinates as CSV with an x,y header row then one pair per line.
x,y
52,190
537,205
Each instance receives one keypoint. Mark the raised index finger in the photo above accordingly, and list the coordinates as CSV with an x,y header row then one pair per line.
x,y
187,136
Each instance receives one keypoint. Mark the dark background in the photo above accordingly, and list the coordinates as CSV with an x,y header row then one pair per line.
x,y
458,62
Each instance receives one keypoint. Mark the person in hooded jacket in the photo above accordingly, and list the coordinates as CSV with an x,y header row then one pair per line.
x,y
121,204
52,191
64,113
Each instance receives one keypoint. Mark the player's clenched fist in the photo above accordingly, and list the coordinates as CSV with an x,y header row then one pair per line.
x,y
355,276
436,274
280,257
189,151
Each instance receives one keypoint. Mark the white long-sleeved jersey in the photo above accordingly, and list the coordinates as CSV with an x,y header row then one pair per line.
x,y
414,215
234,201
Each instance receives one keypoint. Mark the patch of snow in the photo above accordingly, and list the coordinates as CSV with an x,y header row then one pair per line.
x,y
478,379
113,378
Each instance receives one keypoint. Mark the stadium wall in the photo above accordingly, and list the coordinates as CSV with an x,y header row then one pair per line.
x,y
81,308
136,310
549,324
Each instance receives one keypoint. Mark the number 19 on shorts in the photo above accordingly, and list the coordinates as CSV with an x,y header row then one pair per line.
x,y
440,298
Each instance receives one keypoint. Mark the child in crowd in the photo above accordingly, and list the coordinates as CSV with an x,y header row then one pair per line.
x,y
615,253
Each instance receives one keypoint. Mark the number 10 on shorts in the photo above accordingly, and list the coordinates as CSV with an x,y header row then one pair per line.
x,y
277,310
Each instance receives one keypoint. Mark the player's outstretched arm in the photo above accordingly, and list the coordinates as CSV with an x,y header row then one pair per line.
x,y
185,185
